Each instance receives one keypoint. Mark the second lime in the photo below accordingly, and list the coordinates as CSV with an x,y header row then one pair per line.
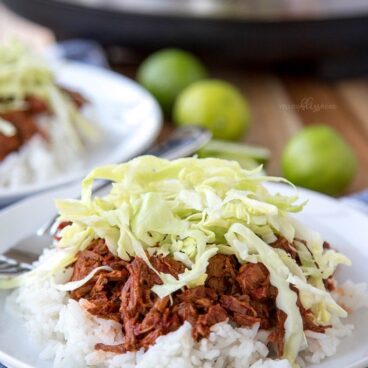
x,y
215,105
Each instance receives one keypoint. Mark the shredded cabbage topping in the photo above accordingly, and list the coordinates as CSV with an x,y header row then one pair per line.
x,y
192,209
7,128
22,74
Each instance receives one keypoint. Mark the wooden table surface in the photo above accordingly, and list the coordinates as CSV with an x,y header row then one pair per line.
x,y
280,105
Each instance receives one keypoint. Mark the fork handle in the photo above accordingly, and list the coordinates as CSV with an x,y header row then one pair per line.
x,y
182,142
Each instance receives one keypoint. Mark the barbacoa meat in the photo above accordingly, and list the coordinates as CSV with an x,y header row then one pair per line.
x,y
26,128
241,294
24,121
282,243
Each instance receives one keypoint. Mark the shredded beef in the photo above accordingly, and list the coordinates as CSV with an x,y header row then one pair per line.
x,y
76,97
254,280
282,243
61,226
215,314
26,128
8,145
24,121
221,272
35,105
241,294
278,333
103,290
330,284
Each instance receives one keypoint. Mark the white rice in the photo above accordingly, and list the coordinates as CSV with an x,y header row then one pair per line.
x,y
67,335
352,296
39,161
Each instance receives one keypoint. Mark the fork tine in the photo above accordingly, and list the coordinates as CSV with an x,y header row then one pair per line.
x,y
9,266
50,227
6,260
6,266
12,271
26,266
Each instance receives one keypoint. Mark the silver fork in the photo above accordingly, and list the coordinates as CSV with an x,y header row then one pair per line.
x,y
182,142
9,266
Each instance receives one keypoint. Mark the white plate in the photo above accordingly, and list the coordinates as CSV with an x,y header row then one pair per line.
x,y
129,116
341,225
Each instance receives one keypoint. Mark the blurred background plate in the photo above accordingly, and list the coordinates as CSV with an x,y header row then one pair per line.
x,y
130,120
326,29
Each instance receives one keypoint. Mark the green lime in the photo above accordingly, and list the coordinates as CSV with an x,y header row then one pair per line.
x,y
248,156
318,158
215,105
167,72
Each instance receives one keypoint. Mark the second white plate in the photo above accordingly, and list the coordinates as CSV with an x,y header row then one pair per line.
x,y
128,115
